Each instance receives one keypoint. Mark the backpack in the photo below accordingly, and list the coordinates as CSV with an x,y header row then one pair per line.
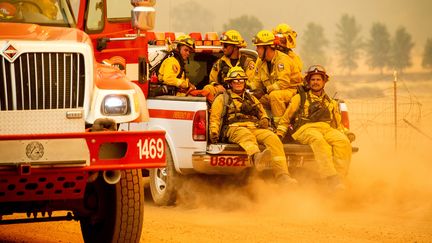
x,y
156,87
223,125
158,58
227,101
224,68
296,119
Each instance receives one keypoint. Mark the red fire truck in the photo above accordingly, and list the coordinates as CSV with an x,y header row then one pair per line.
x,y
61,154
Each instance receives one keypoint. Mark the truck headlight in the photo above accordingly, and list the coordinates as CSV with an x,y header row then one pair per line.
x,y
115,105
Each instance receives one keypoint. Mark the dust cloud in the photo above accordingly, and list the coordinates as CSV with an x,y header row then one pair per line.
x,y
389,199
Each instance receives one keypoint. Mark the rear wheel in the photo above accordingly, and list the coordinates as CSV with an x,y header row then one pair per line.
x,y
163,182
117,210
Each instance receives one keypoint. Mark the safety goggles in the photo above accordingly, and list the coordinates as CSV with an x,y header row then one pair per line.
x,y
316,69
236,74
238,81
223,37
256,40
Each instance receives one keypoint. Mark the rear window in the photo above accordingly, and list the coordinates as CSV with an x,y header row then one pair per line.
x,y
199,67
200,63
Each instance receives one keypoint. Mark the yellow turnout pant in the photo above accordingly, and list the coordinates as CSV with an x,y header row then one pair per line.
x,y
249,138
331,148
277,101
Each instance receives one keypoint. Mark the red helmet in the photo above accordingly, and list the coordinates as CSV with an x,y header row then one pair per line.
x,y
316,69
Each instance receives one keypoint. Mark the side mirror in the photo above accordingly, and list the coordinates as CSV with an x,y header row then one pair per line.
x,y
102,43
143,18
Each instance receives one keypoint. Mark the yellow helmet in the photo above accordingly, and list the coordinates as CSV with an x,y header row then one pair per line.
x,y
233,37
264,38
235,73
286,34
185,40
316,69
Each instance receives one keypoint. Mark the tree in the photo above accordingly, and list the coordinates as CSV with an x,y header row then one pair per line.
x,y
313,45
189,17
348,42
378,47
401,50
427,54
247,25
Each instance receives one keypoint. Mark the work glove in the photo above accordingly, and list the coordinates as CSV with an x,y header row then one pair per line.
x,y
185,84
258,93
214,137
104,124
270,88
264,123
351,136
280,134
191,88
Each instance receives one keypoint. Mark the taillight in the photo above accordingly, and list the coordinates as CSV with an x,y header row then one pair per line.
x,y
199,127
344,114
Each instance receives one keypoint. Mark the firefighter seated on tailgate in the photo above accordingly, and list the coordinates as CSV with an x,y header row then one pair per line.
x,y
276,77
172,70
238,117
231,41
313,118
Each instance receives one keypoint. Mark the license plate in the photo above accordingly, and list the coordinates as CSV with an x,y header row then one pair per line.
x,y
229,161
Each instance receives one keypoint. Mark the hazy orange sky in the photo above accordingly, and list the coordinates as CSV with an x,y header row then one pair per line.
x,y
415,15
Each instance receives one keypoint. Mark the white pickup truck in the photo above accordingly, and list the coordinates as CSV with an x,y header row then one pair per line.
x,y
186,120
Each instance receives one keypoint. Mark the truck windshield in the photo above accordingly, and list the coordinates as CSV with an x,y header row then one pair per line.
x,y
43,12
118,10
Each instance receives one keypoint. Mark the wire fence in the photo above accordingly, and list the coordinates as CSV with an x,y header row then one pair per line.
x,y
373,120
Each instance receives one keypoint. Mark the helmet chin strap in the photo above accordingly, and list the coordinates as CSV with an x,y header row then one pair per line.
x,y
264,54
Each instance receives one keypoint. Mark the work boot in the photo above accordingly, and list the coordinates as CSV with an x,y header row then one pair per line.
x,y
335,183
262,160
286,179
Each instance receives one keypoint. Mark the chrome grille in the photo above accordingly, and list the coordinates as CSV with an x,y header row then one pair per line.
x,y
37,81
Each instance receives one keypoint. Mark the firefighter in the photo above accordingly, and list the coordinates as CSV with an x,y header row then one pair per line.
x,y
7,11
231,41
172,71
313,118
30,10
35,9
287,42
276,76
238,117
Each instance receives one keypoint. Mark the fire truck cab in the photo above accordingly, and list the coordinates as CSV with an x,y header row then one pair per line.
x,y
61,154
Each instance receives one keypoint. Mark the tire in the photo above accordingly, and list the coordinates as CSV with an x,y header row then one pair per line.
x,y
117,211
163,182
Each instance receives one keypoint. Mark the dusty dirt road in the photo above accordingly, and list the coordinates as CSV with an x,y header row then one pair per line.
x,y
390,200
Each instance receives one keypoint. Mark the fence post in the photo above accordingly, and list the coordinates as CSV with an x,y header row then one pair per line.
x,y
395,106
